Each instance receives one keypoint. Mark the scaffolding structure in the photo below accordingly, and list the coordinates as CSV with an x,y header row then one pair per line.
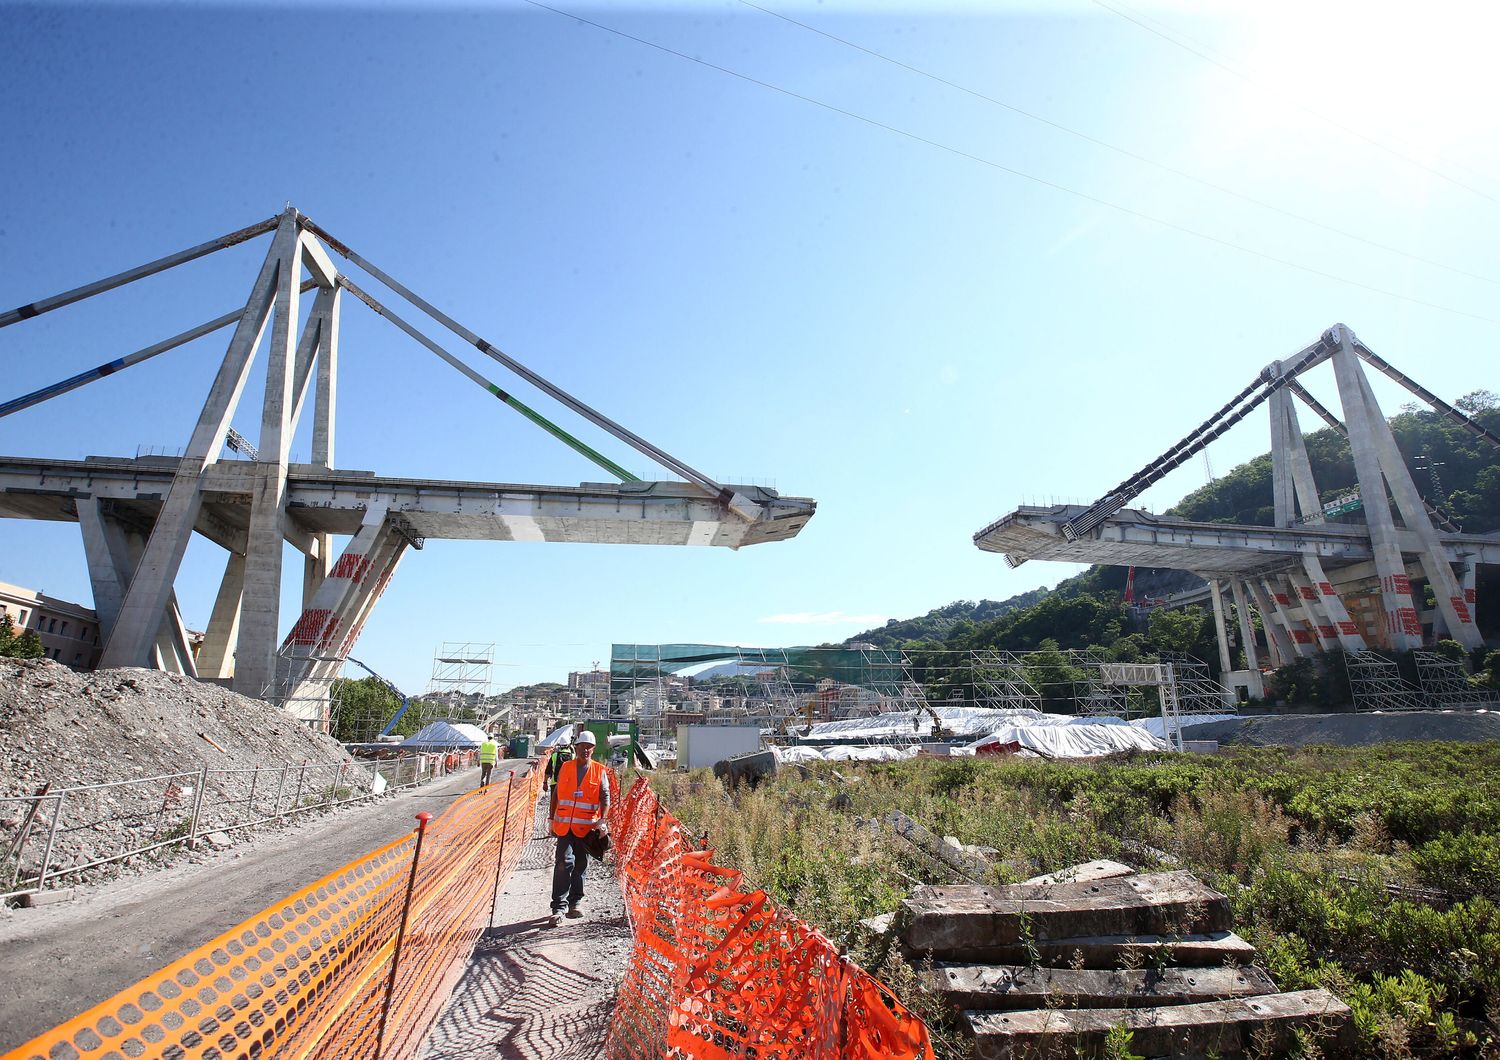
x,y
784,689
1376,684
462,675
1445,683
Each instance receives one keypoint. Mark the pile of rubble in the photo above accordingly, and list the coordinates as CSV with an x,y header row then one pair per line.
x,y
1056,966
62,728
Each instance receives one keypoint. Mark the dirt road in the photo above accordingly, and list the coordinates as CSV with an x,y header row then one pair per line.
x,y
58,960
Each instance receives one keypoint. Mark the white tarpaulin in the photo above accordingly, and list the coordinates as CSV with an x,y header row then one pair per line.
x,y
842,753
1073,738
561,736
958,721
444,735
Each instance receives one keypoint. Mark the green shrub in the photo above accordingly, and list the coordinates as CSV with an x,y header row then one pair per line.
x,y
1462,864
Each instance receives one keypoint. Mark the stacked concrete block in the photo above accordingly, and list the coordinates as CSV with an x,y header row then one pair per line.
x,y
1044,969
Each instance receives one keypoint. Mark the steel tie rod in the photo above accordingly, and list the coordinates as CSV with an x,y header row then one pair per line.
x,y
46,393
1194,443
625,435
1389,370
77,294
530,413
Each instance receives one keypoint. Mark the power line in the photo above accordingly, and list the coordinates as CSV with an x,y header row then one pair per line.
x,y
1001,167
1392,151
1126,152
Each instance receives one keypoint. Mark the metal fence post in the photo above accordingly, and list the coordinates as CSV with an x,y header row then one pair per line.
x,y
280,787
18,845
51,836
197,807
301,779
510,787
250,802
338,782
411,882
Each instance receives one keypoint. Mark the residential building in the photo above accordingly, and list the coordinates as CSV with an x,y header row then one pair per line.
x,y
69,632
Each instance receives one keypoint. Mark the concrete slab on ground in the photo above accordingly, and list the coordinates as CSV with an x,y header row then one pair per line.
x,y
942,919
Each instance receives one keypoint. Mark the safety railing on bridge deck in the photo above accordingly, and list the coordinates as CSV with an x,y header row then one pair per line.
x,y
58,832
718,972
358,964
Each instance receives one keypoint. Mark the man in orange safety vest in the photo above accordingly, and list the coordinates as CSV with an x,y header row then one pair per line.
x,y
580,799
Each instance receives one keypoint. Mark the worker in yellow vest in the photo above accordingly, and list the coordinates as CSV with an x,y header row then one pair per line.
x,y
489,754
580,799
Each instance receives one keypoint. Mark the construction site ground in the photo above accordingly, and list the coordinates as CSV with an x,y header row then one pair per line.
x,y
533,991
64,957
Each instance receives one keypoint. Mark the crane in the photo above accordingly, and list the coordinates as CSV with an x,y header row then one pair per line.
x,y
405,700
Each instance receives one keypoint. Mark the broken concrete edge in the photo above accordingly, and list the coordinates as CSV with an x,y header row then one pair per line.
x,y
1197,1029
990,987
1087,872
1105,951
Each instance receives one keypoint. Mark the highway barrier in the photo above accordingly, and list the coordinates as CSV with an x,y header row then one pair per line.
x,y
718,972
359,964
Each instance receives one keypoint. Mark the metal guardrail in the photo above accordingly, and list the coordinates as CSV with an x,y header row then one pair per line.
x,y
114,820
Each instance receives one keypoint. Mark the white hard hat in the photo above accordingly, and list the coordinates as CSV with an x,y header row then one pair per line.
x,y
587,737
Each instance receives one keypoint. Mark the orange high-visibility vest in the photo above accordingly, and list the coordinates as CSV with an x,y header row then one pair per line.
x,y
578,799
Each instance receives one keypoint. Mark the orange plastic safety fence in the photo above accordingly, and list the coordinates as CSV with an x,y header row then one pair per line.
x,y
311,975
718,972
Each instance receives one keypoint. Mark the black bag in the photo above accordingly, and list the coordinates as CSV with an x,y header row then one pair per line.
x,y
597,842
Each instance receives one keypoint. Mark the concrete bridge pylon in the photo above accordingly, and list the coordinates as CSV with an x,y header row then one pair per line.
x,y
137,517
1303,571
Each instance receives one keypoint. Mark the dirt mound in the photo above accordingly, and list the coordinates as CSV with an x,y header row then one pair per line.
x,y
1350,730
66,728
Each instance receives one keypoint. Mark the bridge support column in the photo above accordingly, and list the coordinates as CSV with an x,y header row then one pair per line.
x,y
315,650
1402,625
1278,639
172,651
1285,599
216,657
1445,588
1312,606
111,560
260,609
1226,663
1247,628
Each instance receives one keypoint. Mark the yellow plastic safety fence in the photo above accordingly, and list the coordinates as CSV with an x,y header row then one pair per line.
x,y
358,964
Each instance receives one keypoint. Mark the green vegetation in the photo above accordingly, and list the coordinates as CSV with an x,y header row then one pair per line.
x,y
25,645
1374,872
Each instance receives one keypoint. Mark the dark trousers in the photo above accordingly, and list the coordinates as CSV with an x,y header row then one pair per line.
x,y
567,871
484,772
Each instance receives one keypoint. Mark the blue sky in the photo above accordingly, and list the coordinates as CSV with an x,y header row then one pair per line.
x,y
850,280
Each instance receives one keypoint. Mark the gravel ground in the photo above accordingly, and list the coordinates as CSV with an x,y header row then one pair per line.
x,y
1350,730
536,992
69,728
